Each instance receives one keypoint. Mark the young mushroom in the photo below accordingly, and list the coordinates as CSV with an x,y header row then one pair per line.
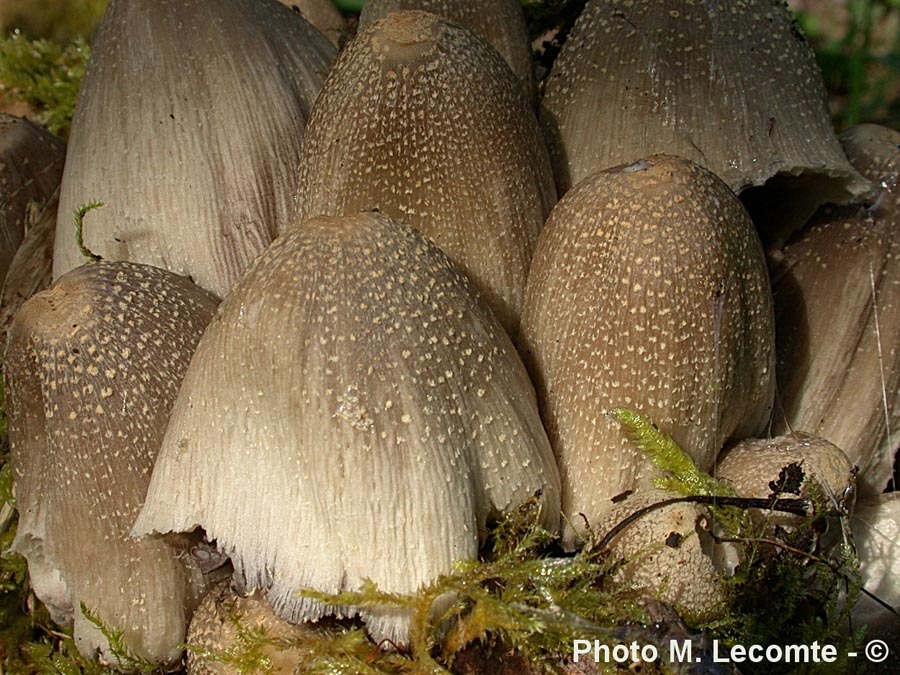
x,y
92,369
731,85
837,308
171,134
398,129
501,24
370,416
648,291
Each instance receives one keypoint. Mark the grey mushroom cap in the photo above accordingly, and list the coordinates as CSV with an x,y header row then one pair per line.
x,y
31,166
648,291
92,368
370,415
447,143
193,144
500,23
837,304
730,84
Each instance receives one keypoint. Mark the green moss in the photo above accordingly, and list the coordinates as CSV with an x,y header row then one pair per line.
x,y
44,74
79,214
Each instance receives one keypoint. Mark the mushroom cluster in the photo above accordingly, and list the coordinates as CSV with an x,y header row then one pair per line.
x,y
415,337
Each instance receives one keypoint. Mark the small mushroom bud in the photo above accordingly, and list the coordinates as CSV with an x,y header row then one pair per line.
x,y
837,307
732,86
370,416
501,24
188,128
92,367
795,466
470,172
31,165
220,620
667,553
649,291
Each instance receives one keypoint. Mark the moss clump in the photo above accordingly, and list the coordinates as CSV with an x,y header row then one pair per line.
x,y
44,74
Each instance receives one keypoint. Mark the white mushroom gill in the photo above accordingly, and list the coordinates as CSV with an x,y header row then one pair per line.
x,y
369,416
648,291
93,367
423,121
188,128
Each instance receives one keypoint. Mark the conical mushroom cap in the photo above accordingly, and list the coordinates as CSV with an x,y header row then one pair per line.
x,y
837,305
500,23
92,367
837,301
188,128
447,143
31,166
370,414
730,84
648,291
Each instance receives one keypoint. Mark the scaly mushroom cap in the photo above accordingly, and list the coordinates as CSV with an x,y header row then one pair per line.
x,y
730,84
370,414
794,465
31,166
423,121
876,532
648,291
837,307
170,135
220,620
502,24
667,553
92,367
323,15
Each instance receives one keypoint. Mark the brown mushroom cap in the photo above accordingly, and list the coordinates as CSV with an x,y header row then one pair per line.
x,y
837,302
648,291
370,415
667,553
31,166
193,144
92,367
422,121
874,151
730,84
500,23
